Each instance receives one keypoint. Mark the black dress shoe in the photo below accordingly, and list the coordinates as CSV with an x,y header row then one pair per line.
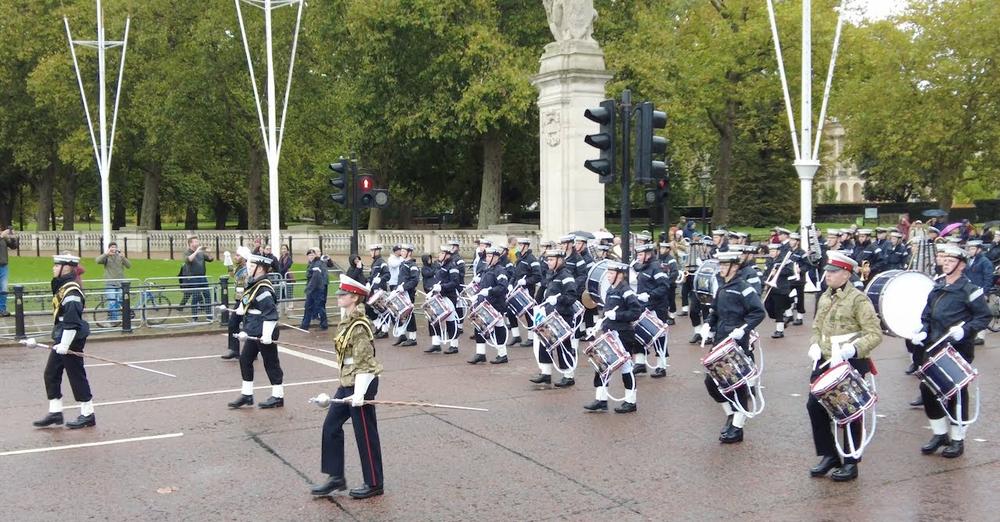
x,y
366,491
846,472
777,335
824,466
527,343
937,441
272,402
955,449
626,407
244,400
515,340
408,342
48,420
541,379
639,368
565,382
478,358
670,321
379,334
597,406
797,322
682,313
710,340
89,421
979,342
433,348
451,350
231,355
911,368
332,484
729,424
695,339
399,340
732,435
500,359
918,402
658,373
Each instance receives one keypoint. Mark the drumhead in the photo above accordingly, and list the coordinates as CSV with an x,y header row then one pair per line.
x,y
719,351
831,377
901,300
706,282
597,282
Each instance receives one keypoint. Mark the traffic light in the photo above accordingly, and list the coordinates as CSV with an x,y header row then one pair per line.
x,y
366,188
603,140
649,145
662,188
340,182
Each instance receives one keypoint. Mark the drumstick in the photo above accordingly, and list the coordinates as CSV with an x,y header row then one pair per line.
x,y
943,338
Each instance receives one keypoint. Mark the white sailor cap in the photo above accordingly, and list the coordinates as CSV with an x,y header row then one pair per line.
x,y
838,261
881,229
895,234
648,247
408,247
65,259
375,246
706,241
485,241
719,232
833,231
728,257
523,241
454,243
603,248
243,252
774,246
547,243
259,260
865,231
794,235
784,231
664,245
974,243
603,235
617,267
741,235
495,250
555,252
581,238
949,250
567,239
446,248
642,236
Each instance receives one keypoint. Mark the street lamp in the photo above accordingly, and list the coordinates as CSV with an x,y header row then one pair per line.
x,y
703,178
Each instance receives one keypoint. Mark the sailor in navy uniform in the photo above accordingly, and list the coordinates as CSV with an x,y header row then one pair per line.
x,y
447,282
69,331
527,274
409,278
493,290
260,331
778,299
379,280
560,296
668,263
622,308
652,285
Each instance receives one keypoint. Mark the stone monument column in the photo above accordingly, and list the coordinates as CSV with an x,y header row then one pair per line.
x,y
571,79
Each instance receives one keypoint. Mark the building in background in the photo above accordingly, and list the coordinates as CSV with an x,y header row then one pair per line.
x,y
841,182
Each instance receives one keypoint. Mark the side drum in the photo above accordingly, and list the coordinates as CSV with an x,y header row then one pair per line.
x,y
706,281
899,297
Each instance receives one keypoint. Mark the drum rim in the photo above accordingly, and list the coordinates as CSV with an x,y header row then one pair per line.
x,y
881,296
843,367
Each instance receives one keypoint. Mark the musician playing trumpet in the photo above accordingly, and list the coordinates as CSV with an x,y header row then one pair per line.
x,y
778,273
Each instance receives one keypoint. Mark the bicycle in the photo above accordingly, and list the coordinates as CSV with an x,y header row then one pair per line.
x,y
155,308
993,300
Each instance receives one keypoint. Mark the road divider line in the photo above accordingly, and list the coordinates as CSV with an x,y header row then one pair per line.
x,y
172,359
91,444
197,394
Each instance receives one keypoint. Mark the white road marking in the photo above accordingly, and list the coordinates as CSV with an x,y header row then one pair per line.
x,y
979,440
91,444
172,359
796,395
308,357
197,394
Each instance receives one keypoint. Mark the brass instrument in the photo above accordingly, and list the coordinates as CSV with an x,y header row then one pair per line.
x,y
814,255
772,278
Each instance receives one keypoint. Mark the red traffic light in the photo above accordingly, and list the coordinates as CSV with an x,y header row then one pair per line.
x,y
366,183
661,183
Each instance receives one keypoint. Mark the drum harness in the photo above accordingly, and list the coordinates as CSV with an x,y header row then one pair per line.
x,y
958,396
755,386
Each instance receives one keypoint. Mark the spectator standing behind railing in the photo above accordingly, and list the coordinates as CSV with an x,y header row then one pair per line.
x,y
194,267
284,268
115,264
8,241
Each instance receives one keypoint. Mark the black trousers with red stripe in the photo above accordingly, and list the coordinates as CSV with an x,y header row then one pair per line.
x,y
365,433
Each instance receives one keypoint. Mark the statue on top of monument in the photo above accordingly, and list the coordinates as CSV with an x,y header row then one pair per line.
x,y
571,19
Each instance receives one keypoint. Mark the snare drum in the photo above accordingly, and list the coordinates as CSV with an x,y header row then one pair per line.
x,y
843,393
552,330
484,317
438,308
378,299
729,366
648,328
607,354
597,284
899,297
947,372
520,302
399,305
706,281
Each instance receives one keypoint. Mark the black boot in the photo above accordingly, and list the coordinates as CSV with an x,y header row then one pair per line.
x,y
797,322
565,382
399,340
244,400
515,340
597,406
639,368
366,491
332,484
381,335
658,373
732,435
979,342
695,339
670,321
232,354
478,358
626,407
845,473
541,379
710,340
912,368
409,342
729,424
954,450
89,421
777,335
433,348
824,466
527,343
272,402
48,420
450,350
918,402
500,359
937,441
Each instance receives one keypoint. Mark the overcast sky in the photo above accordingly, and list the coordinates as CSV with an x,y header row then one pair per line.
x,y
878,9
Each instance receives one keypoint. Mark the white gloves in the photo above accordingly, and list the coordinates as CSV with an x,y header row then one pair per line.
x,y
64,342
227,259
738,333
376,280
815,352
477,279
956,332
268,332
361,382
436,289
919,338
847,350
61,349
551,301
610,315
522,282
643,297
484,292
242,336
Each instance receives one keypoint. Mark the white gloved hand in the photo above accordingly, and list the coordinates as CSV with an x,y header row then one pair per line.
x,y
242,336
522,282
227,259
957,332
848,350
610,315
361,383
484,292
477,279
835,355
815,352
436,289
738,333
377,280
643,297
551,301
267,332
358,400
61,349
919,338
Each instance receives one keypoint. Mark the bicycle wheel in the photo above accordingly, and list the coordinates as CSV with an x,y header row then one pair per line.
x,y
157,310
993,300
102,315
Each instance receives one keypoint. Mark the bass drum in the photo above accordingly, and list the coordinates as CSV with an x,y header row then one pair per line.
x,y
706,281
899,297
597,285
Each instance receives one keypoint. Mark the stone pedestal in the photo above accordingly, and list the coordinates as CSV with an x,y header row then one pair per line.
x,y
571,80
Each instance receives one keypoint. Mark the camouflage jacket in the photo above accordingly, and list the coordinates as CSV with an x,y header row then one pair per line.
x,y
846,310
355,347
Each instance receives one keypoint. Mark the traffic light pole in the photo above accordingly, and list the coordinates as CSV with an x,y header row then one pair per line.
x,y
354,206
626,213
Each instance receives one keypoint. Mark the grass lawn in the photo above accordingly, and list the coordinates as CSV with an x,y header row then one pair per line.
x,y
39,269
